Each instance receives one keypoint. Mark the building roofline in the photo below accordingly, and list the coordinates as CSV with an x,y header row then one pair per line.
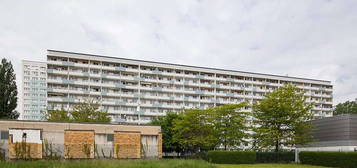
x,y
191,66
90,123
43,62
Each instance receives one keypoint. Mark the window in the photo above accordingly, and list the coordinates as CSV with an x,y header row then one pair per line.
x,y
35,73
110,137
4,135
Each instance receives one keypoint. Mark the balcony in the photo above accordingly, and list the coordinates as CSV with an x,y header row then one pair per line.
x,y
58,90
55,99
54,71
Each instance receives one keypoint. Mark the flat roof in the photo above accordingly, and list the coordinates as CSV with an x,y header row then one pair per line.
x,y
89,123
50,50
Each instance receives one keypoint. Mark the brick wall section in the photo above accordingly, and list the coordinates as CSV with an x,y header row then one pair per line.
x,y
127,145
22,150
78,144
159,144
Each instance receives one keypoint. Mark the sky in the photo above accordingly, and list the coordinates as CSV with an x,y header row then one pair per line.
x,y
302,38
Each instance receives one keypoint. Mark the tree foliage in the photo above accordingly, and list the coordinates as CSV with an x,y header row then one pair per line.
x,y
348,107
167,124
281,118
195,130
61,115
8,91
231,125
87,111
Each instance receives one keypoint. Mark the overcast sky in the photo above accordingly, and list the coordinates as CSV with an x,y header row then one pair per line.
x,y
302,38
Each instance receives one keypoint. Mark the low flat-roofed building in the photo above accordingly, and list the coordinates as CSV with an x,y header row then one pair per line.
x,y
337,133
78,140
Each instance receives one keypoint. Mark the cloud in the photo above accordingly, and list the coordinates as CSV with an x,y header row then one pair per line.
x,y
312,39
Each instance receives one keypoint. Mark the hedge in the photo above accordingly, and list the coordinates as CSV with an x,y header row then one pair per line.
x,y
275,157
231,157
329,159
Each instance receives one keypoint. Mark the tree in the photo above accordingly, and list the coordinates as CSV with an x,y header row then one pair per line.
x,y
195,130
87,111
348,107
58,115
281,117
167,129
230,125
8,91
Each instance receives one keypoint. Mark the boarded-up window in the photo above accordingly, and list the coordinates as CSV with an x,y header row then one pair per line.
x,y
127,145
79,144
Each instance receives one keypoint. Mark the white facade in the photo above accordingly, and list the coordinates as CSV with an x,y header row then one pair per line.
x,y
135,91
34,86
25,135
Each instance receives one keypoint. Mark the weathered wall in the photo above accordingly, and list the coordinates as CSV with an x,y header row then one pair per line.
x,y
25,144
53,144
54,137
78,144
19,150
60,127
127,145
159,143
149,146
104,148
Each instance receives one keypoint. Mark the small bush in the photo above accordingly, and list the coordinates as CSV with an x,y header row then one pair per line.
x,y
275,157
231,157
2,154
330,159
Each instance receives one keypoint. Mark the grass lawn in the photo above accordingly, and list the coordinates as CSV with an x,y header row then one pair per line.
x,y
164,163
267,166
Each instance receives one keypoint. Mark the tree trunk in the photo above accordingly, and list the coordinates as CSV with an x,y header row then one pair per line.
x,y
277,146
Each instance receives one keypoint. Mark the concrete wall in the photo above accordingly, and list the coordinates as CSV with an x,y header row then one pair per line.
x,y
104,148
149,146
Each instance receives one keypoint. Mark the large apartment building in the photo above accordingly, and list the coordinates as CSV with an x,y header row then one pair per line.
x,y
136,91
34,89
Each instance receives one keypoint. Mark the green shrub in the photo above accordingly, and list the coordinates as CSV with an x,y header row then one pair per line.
x,y
2,155
275,157
330,159
231,157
